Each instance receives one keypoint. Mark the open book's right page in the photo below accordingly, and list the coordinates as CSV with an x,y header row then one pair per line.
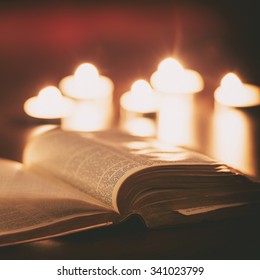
x,y
180,185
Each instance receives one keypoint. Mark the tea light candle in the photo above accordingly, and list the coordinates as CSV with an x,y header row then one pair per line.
x,y
232,138
93,98
176,86
86,83
171,77
141,98
232,92
49,104
138,108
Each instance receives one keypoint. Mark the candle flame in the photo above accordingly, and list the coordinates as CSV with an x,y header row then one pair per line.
x,y
48,104
231,82
141,87
86,71
172,78
86,81
141,98
232,92
170,66
49,93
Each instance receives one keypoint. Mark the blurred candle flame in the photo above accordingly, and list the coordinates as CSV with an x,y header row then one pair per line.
x,y
86,71
86,80
49,94
86,83
141,98
138,109
141,87
170,67
231,82
172,78
49,104
232,92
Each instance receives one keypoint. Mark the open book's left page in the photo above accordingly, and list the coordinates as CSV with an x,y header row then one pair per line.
x,y
33,206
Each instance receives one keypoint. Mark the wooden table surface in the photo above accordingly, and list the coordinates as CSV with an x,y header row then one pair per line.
x,y
41,44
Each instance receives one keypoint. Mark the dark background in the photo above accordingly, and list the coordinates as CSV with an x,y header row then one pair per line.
x,y
40,42
43,41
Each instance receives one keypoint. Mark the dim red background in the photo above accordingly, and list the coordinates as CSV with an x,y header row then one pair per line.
x,y
41,43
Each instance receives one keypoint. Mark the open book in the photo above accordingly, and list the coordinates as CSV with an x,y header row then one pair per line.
x,y
72,181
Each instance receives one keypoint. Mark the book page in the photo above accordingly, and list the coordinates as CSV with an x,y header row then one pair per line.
x,y
97,163
28,200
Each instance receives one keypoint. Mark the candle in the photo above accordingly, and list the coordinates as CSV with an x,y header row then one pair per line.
x,y
233,138
86,83
93,98
141,98
232,92
138,108
172,77
48,104
176,86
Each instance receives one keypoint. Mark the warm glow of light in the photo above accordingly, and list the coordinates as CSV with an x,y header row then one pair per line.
x,y
86,73
157,151
93,96
49,104
175,120
141,98
49,94
232,141
231,81
86,83
142,127
177,86
89,115
172,78
170,66
141,87
38,130
232,92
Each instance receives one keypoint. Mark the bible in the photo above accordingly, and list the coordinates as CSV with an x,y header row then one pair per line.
x,y
71,181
